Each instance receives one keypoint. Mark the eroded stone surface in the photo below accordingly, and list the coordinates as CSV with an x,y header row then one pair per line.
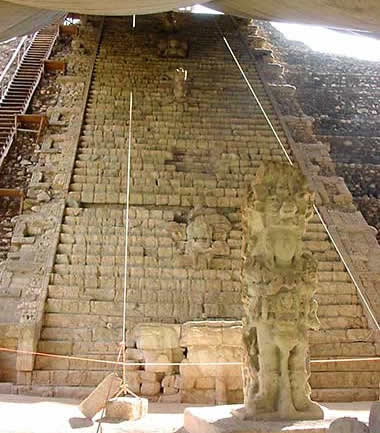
x,y
96,401
126,408
348,425
279,281
191,163
374,417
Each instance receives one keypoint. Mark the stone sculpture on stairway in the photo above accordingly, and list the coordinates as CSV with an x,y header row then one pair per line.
x,y
278,283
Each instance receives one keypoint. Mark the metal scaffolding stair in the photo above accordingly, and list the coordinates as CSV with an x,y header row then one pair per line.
x,y
18,93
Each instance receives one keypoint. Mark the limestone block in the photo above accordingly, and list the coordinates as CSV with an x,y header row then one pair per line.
x,y
131,365
126,408
374,417
134,381
109,386
149,376
203,354
177,354
197,396
171,398
221,396
205,383
258,42
150,388
158,356
134,354
348,425
232,335
152,336
170,391
171,381
200,334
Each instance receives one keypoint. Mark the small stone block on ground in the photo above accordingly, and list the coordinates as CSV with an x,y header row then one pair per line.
x,y
348,425
219,419
126,408
374,417
96,401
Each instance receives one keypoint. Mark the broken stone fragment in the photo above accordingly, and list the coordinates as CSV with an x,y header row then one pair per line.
x,y
348,425
374,417
43,196
109,386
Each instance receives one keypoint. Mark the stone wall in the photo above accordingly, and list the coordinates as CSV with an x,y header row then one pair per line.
x,y
192,158
201,343
341,94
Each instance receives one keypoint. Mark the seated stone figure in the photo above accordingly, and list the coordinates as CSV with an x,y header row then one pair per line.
x,y
278,283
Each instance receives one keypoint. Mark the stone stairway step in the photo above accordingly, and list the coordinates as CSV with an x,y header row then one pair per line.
x,y
343,322
345,394
336,299
350,349
359,379
341,336
83,308
6,388
373,366
340,311
334,288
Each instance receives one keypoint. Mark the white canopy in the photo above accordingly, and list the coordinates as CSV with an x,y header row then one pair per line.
x,y
16,20
19,17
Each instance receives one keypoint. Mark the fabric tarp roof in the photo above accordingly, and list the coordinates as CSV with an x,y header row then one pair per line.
x,y
18,17
16,20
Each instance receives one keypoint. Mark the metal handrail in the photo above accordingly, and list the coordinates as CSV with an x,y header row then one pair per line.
x,y
17,56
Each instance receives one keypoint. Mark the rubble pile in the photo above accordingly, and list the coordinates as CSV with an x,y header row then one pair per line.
x,y
22,158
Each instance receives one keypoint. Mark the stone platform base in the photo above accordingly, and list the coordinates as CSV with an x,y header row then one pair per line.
x,y
219,419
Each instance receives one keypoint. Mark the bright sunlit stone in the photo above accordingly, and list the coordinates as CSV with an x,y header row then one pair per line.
x,y
332,42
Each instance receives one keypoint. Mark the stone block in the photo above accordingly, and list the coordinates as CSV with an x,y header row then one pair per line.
x,y
374,418
171,381
171,398
232,335
348,425
197,396
151,336
149,376
150,388
134,354
126,408
205,383
200,334
97,399
134,381
158,357
170,391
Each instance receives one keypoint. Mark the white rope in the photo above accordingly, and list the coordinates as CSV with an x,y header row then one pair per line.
x,y
257,100
182,364
320,361
126,237
362,297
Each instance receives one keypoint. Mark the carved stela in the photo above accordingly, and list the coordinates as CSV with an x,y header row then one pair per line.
x,y
278,282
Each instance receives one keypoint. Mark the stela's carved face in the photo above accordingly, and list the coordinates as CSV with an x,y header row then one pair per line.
x,y
282,220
